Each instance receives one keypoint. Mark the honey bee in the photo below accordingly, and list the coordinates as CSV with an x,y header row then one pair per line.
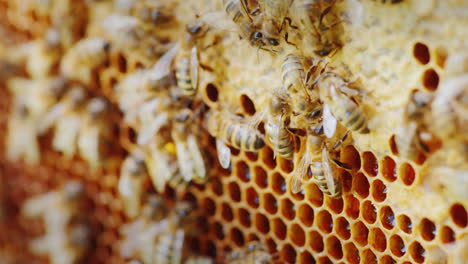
x,y
151,119
151,12
162,168
253,253
44,55
132,176
274,15
83,57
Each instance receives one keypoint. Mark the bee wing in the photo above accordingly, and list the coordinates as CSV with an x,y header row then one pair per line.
x,y
158,168
179,239
51,117
224,153
300,173
219,20
197,157
329,122
184,160
150,129
162,68
194,66
328,170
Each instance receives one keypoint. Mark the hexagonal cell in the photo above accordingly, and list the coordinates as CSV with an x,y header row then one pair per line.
x,y
388,167
324,260
377,239
324,221
406,173
217,230
350,156
286,166
369,212
397,246
405,224
252,237
421,53
417,252
347,181
278,184
333,247
387,217
361,185
279,228
261,223
306,258
252,156
242,171
252,197
386,259
269,203
297,235
260,177
287,209
211,92
368,257
226,212
209,206
370,165
271,245
306,214
379,190
351,206
342,228
459,215
237,237
267,156
430,79
247,105
234,192
392,145
315,241
288,254
351,253
244,217
216,186
446,235
313,194
359,233
427,229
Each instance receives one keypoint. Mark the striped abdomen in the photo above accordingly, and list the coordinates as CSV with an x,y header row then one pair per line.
x,y
318,176
292,73
241,136
281,139
232,8
349,114
183,74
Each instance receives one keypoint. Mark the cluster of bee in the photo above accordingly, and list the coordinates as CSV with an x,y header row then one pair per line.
x,y
67,237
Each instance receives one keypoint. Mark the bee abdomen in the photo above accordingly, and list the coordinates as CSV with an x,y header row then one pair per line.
x,y
292,72
183,77
232,9
352,118
283,142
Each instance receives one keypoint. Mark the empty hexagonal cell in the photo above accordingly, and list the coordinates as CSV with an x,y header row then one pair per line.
x,y
417,252
209,206
427,229
430,79
370,165
334,204
306,258
278,184
324,221
377,239
351,253
324,260
211,92
237,237
397,246
421,53
247,104
271,245
306,214
252,197
287,209
407,174
388,167
288,254
234,192
286,166
368,257
392,145
333,247
260,177
216,186
244,217
405,224
351,157
297,235
361,185
315,241
261,223
217,230
279,228
379,190
242,171
386,259
226,212
387,217
267,157
351,206
359,233
369,212
269,203
446,235
459,215
313,194
252,156
342,228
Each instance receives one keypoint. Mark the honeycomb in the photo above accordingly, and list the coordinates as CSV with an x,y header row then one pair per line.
x,y
390,211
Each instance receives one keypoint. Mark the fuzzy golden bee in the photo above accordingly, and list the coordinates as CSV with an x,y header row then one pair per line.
x,y
253,253
133,173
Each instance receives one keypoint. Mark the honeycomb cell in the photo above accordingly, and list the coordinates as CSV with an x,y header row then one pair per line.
x,y
324,260
209,206
315,241
288,254
252,156
252,237
297,235
218,230
342,228
347,179
234,192
333,247
242,171
446,235
421,53
314,195
286,166
226,212
430,79
351,253
279,228
459,215
324,221
252,197
261,223
247,105
417,252
287,209
386,259
388,169
211,92
361,185
369,212
278,184
334,204
237,237
427,229
387,217
306,214
359,233
370,165
271,245
216,186
260,177
405,224
351,157
397,246
267,156
377,239
406,173
210,249
306,258
269,203
368,257
351,206
379,190
392,145
244,217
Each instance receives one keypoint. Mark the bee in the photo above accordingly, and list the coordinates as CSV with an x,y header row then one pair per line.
x,y
233,130
44,55
132,176
151,12
161,163
253,253
84,57
274,15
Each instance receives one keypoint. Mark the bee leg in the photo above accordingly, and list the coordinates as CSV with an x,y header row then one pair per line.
x,y
288,19
342,139
255,12
287,41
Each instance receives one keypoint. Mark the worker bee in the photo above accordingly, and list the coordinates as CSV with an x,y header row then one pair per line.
x,y
132,176
273,17
84,57
152,12
161,163
253,253
44,55
233,130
